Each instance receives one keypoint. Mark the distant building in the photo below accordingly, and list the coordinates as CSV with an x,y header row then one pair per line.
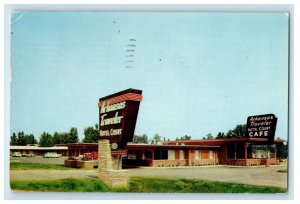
x,y
63,150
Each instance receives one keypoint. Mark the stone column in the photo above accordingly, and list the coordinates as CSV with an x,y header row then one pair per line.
x,y
117,162
112,177
104,159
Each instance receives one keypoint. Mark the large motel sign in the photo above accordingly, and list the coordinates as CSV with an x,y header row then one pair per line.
x,y
117,117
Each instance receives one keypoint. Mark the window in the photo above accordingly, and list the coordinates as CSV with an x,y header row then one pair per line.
x,y
240,151
211,154
156,154
171,155
197,154
261,151
181,155
231,151
147,154
131,155
236,151
164,154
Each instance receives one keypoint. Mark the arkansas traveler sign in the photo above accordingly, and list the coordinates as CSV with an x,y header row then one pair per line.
x,y
261,126
117,117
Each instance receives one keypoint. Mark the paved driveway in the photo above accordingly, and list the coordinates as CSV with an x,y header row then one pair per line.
x,y
267,176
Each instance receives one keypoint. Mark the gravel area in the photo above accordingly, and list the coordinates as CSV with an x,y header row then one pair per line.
x,y
265,176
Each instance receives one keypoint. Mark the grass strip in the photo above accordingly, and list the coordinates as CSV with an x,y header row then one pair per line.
x,y
61,185
180,185
143,184
32,166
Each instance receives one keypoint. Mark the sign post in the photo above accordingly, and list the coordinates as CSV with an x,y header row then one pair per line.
x,y
117,119
261,126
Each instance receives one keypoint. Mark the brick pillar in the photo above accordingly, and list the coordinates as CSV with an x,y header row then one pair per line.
x,y
234,150
191,156
225,153
152,157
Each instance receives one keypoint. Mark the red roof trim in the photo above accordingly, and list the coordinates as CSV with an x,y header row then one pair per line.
x,y
220,141
124,97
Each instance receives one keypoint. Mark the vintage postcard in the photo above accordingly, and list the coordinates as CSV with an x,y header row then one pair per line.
x,y
152,102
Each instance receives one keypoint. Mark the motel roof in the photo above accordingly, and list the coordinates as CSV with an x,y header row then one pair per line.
x,y
178,144
64,147
78,144
221,141
168,146
186,143
146,146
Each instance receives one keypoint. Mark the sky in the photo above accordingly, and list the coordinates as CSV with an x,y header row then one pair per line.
x,y
200,72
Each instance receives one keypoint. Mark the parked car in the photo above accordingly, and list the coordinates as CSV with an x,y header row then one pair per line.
x,y
16,154
51,155
90,156
72,158
30,155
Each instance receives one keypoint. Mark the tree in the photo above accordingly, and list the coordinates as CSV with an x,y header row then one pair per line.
x,y
73,135
21,140
61,137
66,137
30,140
57,138
220,135
229,134
137,139
46,140
282,150
209,136
185,137
91,134
156,139
13,139
239,131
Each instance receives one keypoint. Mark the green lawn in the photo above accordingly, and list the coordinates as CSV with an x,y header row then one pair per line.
x,y
31,166
143,184
61,185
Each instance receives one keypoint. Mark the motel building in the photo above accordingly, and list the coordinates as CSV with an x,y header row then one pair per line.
x,y
235,151
39,151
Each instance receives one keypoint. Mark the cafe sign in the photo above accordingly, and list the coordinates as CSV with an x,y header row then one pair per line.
x,y
261,126
117,117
